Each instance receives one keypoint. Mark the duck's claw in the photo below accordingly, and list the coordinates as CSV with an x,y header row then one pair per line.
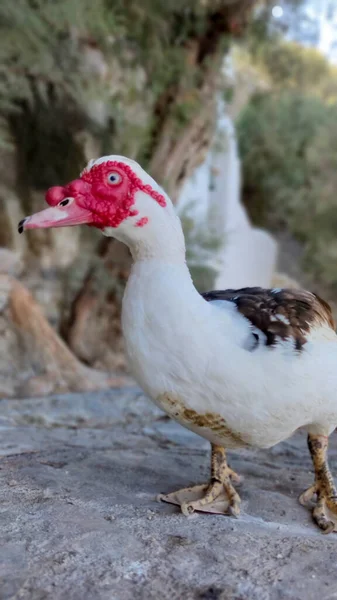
x,y
306,497
324,511
219,496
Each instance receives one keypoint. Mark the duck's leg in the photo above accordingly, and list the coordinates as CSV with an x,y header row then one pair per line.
x,y
325,510
217,496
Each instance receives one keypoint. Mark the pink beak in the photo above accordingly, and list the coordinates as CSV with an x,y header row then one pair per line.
x,y
59,216
56,217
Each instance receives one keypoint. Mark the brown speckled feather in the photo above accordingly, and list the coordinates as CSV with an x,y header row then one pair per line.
x,y
278,313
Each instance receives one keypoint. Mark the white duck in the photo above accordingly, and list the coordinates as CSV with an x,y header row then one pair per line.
x,y
240,368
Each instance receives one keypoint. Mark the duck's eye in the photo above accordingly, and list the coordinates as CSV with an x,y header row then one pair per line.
x,y
65,201
114,178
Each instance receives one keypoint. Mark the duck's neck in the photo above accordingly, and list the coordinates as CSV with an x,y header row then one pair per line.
x,y
160,261
159,278
161,238
161,291
160,284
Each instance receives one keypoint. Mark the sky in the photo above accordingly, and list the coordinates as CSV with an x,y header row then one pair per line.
x,y
311,22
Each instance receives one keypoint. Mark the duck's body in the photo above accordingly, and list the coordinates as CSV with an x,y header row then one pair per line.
x,y
198,359
240,368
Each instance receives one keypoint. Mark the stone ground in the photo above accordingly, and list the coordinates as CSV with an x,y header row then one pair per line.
x,y
79,520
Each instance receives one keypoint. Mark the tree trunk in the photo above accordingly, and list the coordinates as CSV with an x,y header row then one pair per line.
x,y
34,359
183,125
92,326
82,281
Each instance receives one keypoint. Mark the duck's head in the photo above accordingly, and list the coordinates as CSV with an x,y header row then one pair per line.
x,y
114,194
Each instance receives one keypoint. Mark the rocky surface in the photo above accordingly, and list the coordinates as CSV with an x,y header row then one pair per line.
x,y
79,520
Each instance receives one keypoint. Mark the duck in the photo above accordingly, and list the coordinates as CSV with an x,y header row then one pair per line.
x,y
241,368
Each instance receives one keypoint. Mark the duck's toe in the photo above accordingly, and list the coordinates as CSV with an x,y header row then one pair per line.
x,y
324,511
210,498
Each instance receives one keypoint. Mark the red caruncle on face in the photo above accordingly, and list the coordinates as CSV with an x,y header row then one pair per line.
x,y
104,196
113,186
111,191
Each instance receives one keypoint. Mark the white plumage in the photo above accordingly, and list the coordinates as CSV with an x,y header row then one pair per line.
x,y
181,345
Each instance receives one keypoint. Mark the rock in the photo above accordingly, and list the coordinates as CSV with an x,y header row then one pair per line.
x,y
11,214
79,476
10,262
33,357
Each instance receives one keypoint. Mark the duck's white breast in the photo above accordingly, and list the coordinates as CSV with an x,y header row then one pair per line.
x,y
192,361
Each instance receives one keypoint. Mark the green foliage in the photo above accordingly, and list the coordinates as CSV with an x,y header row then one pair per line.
x,y
69,66
202,248
290,65
287,65
288,147
317,205
274,132
287,140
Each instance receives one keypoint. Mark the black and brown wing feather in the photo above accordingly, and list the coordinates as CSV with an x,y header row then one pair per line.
x,y
278,313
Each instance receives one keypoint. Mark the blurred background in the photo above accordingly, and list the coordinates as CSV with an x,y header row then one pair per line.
x,y
230,104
